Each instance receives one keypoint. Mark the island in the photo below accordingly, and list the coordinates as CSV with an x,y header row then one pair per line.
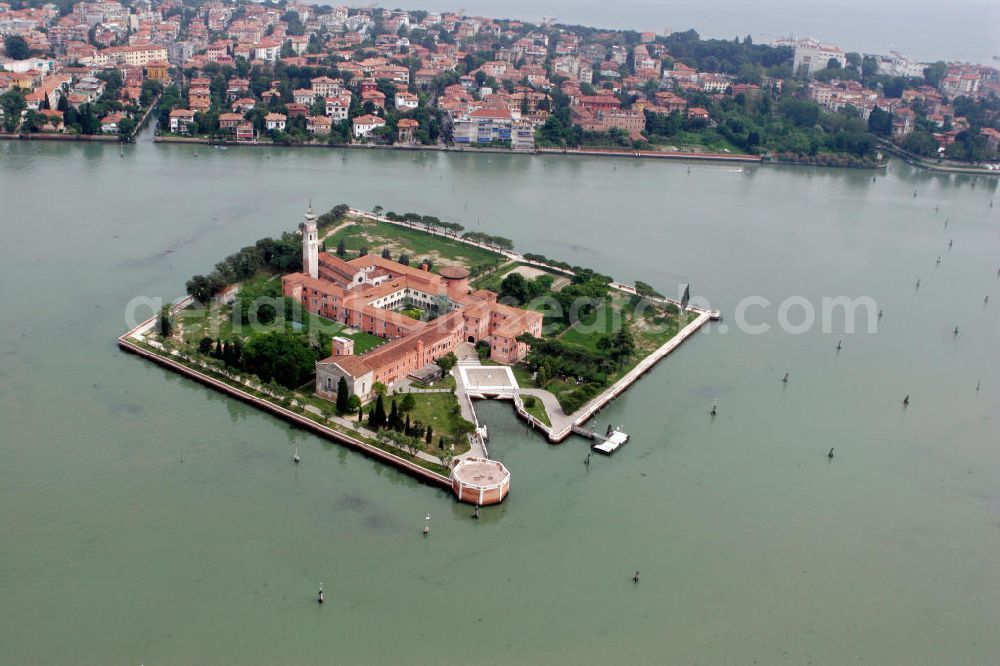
x,y
293,74
380,331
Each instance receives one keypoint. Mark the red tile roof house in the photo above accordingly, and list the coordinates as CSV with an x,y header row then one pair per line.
x,y
366,124
367,292
405,129
109,123
180,119
275,121
318,124
230,121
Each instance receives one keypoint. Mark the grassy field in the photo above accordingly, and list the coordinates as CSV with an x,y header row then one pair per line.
x,y
708,139
417,244
440,411
606,319
536,408
493,280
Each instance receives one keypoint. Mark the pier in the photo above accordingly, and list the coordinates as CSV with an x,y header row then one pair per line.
x,y
607,443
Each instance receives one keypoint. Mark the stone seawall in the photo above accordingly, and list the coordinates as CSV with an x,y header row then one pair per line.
x,y
413,469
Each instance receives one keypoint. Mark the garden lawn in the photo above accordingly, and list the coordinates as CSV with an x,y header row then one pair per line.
x,y
440,411
417,244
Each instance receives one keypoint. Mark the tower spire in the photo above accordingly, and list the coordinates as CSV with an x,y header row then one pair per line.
x,y
310,244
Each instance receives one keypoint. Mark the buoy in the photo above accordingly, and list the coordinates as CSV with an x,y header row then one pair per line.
x,y
918,283
635,578
977,386
880,313
939,260
713,410
840,345
950,243
295,457
785,379
986,299
906,400
830,454
427,527
956,330
319,597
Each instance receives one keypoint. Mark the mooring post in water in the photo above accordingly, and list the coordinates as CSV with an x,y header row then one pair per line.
x,y
714,410
785,378
319,597
906,400
830,454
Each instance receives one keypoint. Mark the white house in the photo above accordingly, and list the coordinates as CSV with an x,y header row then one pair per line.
x,y
180,119
406,100
366,124
275,121
812,56
338,106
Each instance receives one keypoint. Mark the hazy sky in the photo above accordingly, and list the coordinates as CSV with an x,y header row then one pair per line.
x,y
925,29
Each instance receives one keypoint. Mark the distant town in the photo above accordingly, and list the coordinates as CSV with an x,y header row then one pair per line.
x,y
295,74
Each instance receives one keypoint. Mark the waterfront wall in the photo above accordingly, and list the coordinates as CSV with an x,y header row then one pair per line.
x,y
411,468
586,412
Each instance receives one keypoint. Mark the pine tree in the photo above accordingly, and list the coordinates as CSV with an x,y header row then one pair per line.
x,y
342,396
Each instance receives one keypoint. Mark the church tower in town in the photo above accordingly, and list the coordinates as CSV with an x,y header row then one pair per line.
x,y
310,245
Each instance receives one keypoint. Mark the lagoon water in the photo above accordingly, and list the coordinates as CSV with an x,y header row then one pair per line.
x,y
146,519
926,30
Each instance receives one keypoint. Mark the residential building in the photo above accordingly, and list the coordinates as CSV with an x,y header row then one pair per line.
x,y
812,56
180,119
366,124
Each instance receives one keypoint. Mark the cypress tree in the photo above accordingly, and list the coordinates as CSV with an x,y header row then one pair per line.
x,y
407,428
395,423
341,248
377,415
430,434
342,396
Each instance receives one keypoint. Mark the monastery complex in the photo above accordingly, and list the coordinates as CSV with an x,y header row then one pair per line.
x,y
367,293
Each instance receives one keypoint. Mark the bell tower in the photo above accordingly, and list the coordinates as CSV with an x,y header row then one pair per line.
x,y
310,245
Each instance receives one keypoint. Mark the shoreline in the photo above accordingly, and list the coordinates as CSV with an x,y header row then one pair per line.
x,y
739,158
562,425
693,156
162,360
587,411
